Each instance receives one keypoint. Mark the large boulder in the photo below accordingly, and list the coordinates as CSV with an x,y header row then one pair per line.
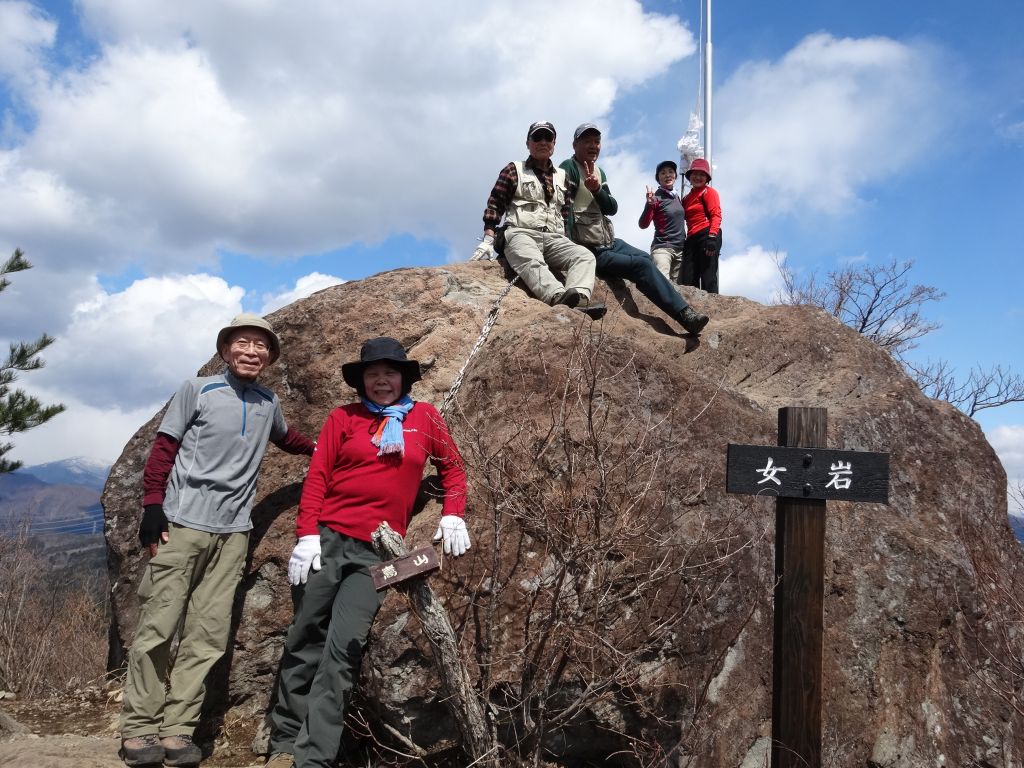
x,y
616,601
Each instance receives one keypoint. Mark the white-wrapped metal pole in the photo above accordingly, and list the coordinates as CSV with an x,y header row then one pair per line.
x,y
707,83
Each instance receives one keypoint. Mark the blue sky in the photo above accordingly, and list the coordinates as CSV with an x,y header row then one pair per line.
x,y
166,165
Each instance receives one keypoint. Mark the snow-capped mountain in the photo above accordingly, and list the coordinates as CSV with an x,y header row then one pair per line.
x,y
57,498
74,471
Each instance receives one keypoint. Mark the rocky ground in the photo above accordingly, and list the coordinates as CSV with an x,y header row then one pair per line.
x,y
79,730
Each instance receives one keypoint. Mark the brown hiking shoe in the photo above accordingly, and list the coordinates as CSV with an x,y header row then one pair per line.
x,y
142,750
280,760
181,750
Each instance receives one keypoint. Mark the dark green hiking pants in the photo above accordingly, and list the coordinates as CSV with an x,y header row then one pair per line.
x,y
323,651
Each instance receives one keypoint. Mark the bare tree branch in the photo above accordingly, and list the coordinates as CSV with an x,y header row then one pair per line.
x,y
593,578
982,389
880,303
877,301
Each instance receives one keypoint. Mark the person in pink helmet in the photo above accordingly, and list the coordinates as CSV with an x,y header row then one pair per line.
x,y
703,210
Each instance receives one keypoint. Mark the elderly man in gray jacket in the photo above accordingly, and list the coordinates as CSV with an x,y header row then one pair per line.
x,y
590,226
199,485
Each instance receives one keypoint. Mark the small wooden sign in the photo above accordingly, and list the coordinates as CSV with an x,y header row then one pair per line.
x,y
418,562
807,473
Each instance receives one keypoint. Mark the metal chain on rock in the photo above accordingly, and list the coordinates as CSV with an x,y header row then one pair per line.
x,y
492,317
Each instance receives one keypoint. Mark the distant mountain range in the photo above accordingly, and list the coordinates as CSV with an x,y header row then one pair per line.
x,y
57,498
1017,526
74,471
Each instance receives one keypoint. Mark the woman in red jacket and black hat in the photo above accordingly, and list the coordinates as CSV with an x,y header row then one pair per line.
x,y
703,209
366,469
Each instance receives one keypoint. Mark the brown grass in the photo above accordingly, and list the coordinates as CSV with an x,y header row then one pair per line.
x,y
53,629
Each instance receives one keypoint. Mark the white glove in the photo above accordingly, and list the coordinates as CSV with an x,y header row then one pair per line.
x,y
305,556
452,529
485,250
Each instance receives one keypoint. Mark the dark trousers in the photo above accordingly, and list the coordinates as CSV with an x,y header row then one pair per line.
x,y
700,268
323,652
624,261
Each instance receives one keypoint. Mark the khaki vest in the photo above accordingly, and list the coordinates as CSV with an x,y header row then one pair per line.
x,y
590,227
529,209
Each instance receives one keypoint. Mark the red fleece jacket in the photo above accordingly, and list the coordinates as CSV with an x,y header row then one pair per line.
x,y
351,490
696,218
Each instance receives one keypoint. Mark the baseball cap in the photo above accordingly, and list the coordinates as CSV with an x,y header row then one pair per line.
x,y
541,125
583,128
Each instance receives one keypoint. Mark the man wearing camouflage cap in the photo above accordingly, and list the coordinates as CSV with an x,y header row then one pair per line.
x,y
199,484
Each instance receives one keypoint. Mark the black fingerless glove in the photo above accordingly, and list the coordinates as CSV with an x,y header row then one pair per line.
x,y
154,522
713,243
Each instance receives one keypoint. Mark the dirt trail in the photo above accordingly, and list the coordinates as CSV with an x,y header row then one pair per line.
x,y
67,751
76,731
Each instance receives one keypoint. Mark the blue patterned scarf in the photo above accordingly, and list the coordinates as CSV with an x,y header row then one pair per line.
x,y
389,437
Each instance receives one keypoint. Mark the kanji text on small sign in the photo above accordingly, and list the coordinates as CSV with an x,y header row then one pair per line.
x,y
808,473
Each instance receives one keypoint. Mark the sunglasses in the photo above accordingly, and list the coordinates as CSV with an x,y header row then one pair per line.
x,y
542,136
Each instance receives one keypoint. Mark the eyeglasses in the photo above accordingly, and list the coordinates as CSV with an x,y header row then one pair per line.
x,y
254,344
539,136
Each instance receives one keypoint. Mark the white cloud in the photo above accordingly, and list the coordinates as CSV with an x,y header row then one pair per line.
x,y
25,34
157,151
807,134
82,430
41,299
1008,442
123,350
752,273
270,131
1015,131
304,286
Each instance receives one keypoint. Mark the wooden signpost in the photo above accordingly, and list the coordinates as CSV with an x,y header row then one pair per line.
x,y
803,475
404,568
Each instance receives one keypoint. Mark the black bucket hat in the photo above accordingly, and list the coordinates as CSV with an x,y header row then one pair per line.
x,y
381,349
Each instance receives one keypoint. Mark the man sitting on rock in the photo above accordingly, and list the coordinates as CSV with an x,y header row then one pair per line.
x,y
198,485
589,225
533,198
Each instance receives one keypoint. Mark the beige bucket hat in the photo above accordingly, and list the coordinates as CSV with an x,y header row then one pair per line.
x,y
250,320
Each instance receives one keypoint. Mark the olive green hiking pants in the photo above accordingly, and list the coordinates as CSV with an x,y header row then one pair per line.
x,y
190,583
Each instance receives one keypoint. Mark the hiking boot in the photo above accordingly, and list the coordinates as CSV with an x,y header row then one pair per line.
x,y
570,297
181,750
142,750
280,760
593,311
692,321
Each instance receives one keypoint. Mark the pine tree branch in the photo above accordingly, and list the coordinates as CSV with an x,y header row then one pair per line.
x,y
18,411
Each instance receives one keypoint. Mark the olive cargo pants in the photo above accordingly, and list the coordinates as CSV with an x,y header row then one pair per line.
x,y
193,576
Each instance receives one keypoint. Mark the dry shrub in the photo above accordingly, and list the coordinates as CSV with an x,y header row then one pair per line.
x,y
53,629
604,559
989,637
